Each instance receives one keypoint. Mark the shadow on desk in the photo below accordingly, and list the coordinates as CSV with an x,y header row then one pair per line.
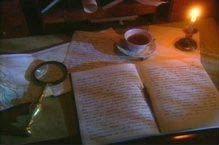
x,y
205,137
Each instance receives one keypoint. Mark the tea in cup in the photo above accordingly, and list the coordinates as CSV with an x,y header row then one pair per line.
x,y
138,40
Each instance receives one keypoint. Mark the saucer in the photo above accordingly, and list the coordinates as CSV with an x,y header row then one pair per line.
x,y
138,55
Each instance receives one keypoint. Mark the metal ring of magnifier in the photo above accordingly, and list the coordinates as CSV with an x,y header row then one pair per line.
x,y
59,64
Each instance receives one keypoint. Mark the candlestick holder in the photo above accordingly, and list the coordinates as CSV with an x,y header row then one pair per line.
x,y
187,43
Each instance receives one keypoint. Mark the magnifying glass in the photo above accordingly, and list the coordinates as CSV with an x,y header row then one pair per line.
x,y
45,74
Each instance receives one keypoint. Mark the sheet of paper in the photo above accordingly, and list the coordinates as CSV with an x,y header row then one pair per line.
x,y
56,53
13,81
103,41
80,53
182,94
15,70
90,50
111,105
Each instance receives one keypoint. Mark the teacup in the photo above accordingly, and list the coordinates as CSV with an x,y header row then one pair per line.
x,y
138,40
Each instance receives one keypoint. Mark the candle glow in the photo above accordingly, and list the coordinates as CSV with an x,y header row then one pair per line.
x,y
183,137
194,13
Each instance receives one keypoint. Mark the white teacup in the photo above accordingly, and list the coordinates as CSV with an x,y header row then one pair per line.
x,y
138,40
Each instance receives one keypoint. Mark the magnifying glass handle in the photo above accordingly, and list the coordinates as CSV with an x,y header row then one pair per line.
x,y
34,113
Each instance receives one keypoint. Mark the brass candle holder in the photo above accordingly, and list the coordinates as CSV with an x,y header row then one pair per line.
x,y
188,43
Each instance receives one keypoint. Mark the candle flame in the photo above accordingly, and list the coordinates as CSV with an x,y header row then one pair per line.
x,y
194,13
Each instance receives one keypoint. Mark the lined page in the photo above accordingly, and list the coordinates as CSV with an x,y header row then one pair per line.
x,y
111,105
182,94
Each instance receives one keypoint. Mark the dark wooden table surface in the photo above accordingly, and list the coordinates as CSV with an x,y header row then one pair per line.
x,y
66,101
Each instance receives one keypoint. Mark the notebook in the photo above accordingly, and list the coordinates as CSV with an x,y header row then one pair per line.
x,y
129,101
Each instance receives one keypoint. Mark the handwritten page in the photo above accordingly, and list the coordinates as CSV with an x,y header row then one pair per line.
x,y
182,94
111,105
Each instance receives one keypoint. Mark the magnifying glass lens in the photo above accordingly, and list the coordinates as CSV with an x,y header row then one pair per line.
x,y
50,73
40,72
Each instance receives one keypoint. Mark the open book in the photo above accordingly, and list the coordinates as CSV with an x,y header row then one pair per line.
x,y
126,101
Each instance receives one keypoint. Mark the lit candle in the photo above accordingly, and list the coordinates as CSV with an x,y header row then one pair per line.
x,y
194,13
187,43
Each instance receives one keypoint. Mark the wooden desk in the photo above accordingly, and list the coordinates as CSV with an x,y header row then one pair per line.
x,y
21,45
67,18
